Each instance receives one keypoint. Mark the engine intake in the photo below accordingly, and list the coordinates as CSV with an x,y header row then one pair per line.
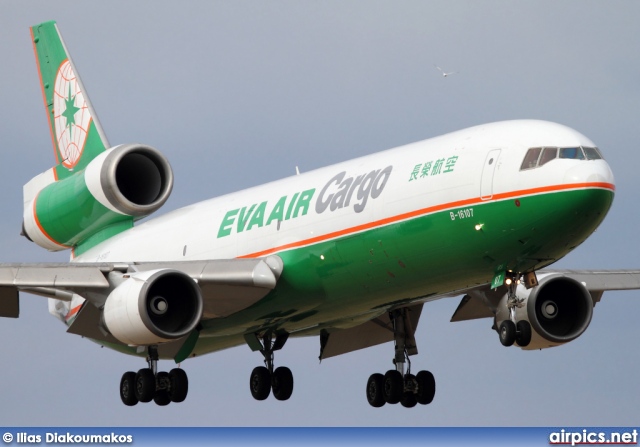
x,y
559,310
135,179
153,307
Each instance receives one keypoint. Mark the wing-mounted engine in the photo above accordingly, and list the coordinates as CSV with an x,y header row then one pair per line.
x,y
120,185
153,307
558,309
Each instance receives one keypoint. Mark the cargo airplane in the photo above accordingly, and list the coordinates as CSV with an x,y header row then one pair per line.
x,y
349,254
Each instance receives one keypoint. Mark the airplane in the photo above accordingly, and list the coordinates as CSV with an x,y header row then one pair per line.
x,y
348,253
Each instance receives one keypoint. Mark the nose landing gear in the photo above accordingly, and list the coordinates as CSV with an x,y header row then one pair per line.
x,y
510,331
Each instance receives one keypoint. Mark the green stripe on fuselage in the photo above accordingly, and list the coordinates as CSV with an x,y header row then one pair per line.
x,y
424,256
420,257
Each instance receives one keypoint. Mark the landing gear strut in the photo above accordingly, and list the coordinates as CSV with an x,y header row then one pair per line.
x,y
510,331
265,379
148,384
396,385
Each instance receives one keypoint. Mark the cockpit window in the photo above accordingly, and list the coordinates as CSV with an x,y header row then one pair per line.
x,y
574,153
539,156
592,153
531,159
549,153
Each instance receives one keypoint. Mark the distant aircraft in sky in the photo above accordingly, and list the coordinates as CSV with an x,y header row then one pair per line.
x,y
349,253
444,73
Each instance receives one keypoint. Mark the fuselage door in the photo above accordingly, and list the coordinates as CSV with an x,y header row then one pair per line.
x,y
488,171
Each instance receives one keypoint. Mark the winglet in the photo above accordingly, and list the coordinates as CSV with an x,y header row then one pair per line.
x,y
75,131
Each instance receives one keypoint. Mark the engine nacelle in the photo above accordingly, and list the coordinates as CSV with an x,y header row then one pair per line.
x,y
153,307
121,184
559,310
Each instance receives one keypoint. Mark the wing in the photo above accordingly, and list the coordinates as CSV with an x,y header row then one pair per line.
x,y
477,302
482,302
226,286
60,280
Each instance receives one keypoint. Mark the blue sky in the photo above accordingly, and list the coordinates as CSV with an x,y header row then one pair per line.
x,y
238,93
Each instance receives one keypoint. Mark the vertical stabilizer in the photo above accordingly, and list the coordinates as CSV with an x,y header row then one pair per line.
x,y
75,131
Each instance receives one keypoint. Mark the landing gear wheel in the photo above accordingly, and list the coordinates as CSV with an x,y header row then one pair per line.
x,y
393,386
260,383
162,398
507,333
426,387
128,389
282,383
408,400
178,385
162,381
375,390
523,333
145,385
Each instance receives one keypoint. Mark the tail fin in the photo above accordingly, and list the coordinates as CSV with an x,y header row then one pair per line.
x,y
75,131
95,191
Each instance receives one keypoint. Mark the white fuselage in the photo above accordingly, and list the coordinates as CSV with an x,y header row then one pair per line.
x,y
477,165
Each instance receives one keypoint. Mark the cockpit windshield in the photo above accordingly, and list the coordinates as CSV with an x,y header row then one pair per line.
x,y
574,153
539,156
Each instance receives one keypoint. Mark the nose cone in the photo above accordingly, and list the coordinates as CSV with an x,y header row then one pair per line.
x,y
592,190
591,173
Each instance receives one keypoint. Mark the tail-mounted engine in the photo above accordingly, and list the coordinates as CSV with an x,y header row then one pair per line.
x,y
558,309
120,185
153,307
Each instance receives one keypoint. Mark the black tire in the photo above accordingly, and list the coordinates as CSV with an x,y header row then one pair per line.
x,y
282,383
128,389
426,387
260,383
375,390
393,386
162,381
408,400
178,385
507,333
523,333
145,385
162,398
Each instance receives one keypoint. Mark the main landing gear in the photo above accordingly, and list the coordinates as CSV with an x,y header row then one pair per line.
x,y
396,385
148,384
265,379
511,331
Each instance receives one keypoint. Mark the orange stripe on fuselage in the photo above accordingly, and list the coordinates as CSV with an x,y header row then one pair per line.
x,y
430,210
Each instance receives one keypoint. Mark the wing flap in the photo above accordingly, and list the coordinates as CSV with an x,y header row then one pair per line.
x,y
9,302
52,275
370,333
471,307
